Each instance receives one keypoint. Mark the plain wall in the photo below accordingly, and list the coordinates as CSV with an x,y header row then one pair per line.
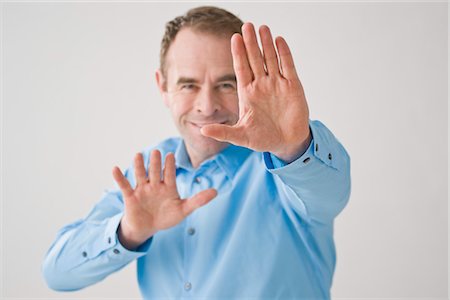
x,y
79,96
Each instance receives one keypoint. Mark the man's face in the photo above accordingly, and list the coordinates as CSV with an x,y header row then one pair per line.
x,y
200,88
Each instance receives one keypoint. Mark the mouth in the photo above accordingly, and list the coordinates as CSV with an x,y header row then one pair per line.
x,y
201,124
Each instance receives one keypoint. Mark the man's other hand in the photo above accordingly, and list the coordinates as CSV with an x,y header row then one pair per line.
x,y
154,204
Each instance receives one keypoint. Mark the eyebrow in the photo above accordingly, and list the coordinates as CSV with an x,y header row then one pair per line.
x,y
228,77
182,80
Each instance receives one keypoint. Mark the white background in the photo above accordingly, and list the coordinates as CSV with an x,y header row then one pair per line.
x,y
79,96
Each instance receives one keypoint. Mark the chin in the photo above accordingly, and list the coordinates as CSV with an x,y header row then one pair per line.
x,y
204,146
208,145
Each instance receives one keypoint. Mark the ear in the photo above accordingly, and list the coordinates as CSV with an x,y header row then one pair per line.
x,y
162,86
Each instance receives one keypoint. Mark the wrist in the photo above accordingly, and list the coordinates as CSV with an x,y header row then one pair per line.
x,y
290,153
129,238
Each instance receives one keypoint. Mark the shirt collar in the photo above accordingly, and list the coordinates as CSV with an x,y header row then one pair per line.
x,y
229,159
181,157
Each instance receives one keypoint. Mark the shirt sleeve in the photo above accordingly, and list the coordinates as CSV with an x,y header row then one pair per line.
x,y
88,250
317,184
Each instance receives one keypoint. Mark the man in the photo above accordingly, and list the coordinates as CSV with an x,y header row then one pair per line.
x,y
277,180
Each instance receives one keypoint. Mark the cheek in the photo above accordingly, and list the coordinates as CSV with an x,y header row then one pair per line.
x,y
180,107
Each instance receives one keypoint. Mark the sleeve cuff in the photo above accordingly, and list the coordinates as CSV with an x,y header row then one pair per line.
x,y
110,245
117,248
320,149
273,162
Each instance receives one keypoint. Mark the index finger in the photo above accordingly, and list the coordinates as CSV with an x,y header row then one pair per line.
x,y
241,65
154,172
139,169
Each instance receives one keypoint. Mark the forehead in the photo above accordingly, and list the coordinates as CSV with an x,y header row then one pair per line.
x,y
198,54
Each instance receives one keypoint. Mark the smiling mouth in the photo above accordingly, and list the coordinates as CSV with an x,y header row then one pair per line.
x,y
200,125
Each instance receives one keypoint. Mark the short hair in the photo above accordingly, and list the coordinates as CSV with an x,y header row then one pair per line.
x,y
206,19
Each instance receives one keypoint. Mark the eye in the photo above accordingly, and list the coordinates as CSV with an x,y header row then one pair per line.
x,y
227,86
188,86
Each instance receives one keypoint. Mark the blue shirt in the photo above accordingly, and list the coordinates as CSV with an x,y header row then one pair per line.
x,y
268,233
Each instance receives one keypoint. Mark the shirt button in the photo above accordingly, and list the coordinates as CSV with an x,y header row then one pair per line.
x,y
191,231
84,254
317,147
116,251
187,286
198,179
329,156
306,160
109,240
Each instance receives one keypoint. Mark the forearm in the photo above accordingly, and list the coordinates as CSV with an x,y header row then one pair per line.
x,y
86,254
319,180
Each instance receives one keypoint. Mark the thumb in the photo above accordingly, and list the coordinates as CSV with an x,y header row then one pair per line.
x,y
223,133
198,200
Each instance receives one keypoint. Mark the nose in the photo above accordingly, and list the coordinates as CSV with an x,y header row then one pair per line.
x,y
207,102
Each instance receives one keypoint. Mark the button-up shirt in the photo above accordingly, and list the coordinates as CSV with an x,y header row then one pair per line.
x,y
267,234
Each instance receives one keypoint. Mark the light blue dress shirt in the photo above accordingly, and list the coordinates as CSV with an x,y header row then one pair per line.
x,y
267,235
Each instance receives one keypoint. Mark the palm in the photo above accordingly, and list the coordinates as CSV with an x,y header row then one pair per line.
x,y
273,112
268,120
154,204
162,210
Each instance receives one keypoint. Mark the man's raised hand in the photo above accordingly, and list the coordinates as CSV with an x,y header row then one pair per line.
x,y
273,112
154,204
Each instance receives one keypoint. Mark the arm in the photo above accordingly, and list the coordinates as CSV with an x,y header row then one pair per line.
x,y
317,184
274,118
119,228
88,250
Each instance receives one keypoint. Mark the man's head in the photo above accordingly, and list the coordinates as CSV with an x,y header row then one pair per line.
x,y
204,19
196,76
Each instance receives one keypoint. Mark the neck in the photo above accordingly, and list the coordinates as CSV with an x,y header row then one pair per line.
x,y
195,160
197,157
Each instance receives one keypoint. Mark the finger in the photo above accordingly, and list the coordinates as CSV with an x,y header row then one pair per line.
x,y
139,169
123,183
286,61
224,133
198,200
241,65
169,170
154,172
269,53
253,52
